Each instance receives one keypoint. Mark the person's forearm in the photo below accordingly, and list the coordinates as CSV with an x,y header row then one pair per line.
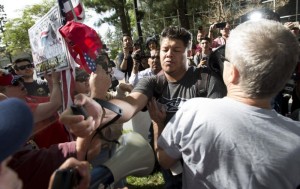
x,y
128,109
130,105
133,79
56,95
164,160
48,109
157,130
123,65
135,68
210,35
50,86
101,96
88,148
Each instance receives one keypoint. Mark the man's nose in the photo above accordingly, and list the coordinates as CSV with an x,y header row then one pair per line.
x,y
169,53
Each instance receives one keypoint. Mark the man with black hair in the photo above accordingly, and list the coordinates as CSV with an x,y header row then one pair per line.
x,y
200,34
152,43
201,57
173,88
125,61
220,40
239,141
35,88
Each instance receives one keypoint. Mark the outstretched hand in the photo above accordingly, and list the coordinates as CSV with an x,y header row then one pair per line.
x,y
76,123
157,112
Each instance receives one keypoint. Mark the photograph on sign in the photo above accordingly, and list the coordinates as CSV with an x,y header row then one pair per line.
x,y
47,46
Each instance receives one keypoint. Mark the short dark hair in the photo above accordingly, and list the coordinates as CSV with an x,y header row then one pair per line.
x,y
21,60
154,38
205,38
200,28
105,54
126,35
174,32
137,42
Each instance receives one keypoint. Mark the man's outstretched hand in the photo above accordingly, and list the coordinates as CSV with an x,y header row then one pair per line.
x,y
76,124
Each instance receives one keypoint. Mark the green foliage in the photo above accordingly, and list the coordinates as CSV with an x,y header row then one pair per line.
x,y
154,181
154,14
102,6
119,9
114,42
16,36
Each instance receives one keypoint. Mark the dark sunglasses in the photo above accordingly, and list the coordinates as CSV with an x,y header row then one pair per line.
x,y
25,66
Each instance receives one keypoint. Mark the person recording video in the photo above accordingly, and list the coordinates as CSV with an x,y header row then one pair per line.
x,y
224,28
125,61
201,57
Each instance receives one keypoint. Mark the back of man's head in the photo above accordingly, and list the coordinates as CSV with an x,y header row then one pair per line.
x,y
262,13
174,32
265,54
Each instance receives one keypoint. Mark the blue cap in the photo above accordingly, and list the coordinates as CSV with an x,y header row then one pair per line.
x,y
16,123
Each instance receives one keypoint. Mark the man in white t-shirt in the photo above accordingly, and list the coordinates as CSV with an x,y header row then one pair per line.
x,y
154,68
239,141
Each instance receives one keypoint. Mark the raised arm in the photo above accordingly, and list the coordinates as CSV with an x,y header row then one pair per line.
x,y
130,105
48,109
158,115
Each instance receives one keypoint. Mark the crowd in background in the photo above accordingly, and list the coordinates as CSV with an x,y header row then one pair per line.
x,y
160,78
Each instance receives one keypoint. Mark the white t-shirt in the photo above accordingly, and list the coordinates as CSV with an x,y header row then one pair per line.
x,y
134,78
227,144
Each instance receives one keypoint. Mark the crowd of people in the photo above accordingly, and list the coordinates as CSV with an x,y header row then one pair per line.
x,y
230,128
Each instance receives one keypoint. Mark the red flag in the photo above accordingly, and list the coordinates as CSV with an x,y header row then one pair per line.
x,y
67,14
83,41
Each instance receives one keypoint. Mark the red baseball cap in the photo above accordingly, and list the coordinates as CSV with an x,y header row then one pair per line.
x,y
9,79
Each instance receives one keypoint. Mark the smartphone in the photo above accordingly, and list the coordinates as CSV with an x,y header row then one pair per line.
x,y
221,25
66,178
79,110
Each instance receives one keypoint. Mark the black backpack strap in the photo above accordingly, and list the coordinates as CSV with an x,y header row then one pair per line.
x,y
203,82
115,109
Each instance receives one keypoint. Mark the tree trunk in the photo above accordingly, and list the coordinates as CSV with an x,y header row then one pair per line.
x,y
138,21
183,17
125,24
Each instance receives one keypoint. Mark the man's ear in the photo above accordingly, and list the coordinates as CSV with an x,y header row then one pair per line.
x,y
232,73
235,75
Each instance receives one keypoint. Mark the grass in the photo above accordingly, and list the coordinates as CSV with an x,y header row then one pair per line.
x,y
154,181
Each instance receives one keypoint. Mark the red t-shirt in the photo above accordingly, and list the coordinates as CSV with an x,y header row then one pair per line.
x,y
54,133
34,167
